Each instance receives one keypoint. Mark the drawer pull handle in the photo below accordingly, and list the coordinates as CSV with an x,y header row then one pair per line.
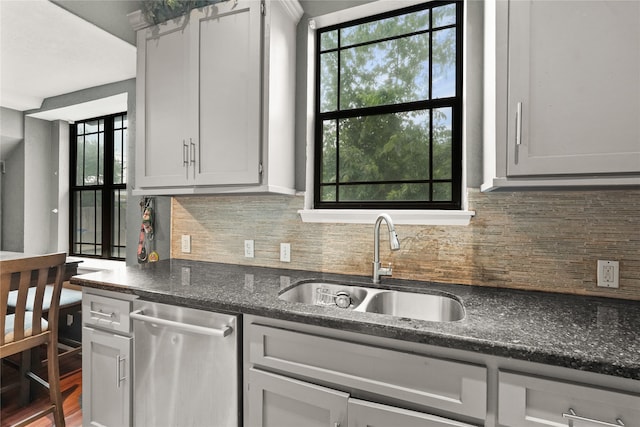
x,y
572,416
100,313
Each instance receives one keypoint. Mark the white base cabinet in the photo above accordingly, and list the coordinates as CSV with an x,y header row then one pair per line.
x,y
305,375
295,379
562,93
215,99
107,347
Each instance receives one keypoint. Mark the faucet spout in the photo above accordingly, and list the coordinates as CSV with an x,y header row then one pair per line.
x,y
394,243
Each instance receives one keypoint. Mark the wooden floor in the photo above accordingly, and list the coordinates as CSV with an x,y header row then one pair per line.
x,y
71,386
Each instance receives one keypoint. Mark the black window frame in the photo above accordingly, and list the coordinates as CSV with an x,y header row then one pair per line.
x,y
456,104
107,189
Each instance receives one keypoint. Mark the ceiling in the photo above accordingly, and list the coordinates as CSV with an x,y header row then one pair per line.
x,y
46,51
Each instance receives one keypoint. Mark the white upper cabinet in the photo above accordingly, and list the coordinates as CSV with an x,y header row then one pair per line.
x,y
562,88
213,114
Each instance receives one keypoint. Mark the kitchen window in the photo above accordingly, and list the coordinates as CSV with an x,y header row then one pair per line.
x,y
98,187
388,110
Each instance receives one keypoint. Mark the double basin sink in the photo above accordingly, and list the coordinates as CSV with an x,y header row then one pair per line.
x,y
438,307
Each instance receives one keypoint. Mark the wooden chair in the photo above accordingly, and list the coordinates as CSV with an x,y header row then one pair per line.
x,y
25,329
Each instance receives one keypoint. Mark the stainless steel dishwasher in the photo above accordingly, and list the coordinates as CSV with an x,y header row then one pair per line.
x,y
185,367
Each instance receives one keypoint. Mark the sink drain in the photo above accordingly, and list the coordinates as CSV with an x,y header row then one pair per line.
x,y
343,300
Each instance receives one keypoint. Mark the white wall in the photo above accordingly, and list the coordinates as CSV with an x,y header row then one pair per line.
x,y
12,204
38,185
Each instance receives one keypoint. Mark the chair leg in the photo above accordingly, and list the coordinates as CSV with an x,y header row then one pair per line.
x,y
25,382
55,393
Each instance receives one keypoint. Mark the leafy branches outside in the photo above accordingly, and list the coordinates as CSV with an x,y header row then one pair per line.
x,y
375,146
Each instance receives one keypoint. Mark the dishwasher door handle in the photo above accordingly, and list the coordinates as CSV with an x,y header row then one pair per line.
x,y
202,330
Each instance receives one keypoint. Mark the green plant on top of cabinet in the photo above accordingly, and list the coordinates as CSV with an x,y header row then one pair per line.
x,y
215,100
562,93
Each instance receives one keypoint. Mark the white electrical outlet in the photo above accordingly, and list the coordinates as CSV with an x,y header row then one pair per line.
x,y
248,249
285,252
608,274
186,244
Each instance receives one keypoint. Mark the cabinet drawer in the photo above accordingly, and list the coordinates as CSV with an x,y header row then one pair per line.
x,y
106,313
451,386
531,401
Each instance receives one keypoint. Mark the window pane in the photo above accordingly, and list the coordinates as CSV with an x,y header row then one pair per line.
x,y
385,28
388,147
442,143
118,221
329,136
80,160
444,63
101,158
91,159
385,73
442,192
117,157
87,222
91,126
329,40
328,194
329,81
125,136
384,192
444,15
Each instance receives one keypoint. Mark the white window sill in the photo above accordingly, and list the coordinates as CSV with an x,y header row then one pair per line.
x,y
364,216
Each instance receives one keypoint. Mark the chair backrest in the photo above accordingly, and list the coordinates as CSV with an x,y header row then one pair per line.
x,y
21,274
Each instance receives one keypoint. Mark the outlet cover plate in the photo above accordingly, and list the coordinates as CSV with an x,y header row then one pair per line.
x,y
608,274
248,249
285,252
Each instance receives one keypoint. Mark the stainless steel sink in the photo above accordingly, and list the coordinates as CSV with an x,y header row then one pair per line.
x,y
321,293
437,307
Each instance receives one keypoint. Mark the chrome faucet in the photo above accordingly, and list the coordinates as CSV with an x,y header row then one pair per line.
x,y
393,242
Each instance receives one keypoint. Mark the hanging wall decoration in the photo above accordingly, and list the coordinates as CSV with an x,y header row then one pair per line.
x,y
146,244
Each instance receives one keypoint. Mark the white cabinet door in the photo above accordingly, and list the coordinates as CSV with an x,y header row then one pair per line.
x,y
227,90
106,379
369,414
526,401
573,87
164,106
277,401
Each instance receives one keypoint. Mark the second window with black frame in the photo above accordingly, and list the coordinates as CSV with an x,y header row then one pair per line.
x,y
389,110
99,187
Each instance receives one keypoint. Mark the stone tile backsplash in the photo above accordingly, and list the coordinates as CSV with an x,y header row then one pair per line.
x,y
547,241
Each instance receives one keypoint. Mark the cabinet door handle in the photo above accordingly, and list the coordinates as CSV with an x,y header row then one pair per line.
x,y
119,377
519,123
185,158
185,153
192,156
572,416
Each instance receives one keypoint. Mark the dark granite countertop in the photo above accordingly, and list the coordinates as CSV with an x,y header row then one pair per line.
x,y
593,334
